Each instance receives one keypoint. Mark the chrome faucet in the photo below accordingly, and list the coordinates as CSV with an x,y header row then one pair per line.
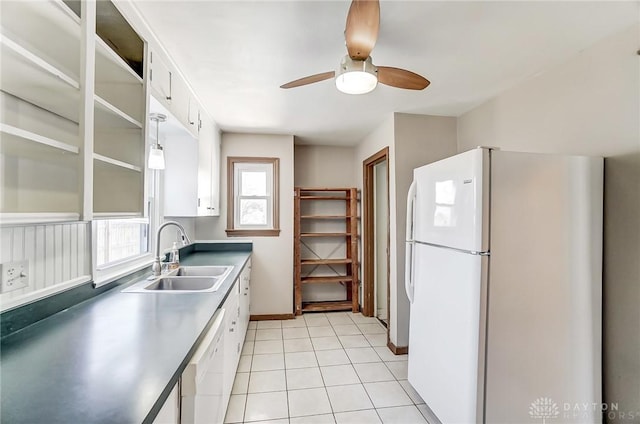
x,y
157,263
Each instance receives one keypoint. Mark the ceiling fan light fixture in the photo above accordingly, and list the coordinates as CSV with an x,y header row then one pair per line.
x,y
356,76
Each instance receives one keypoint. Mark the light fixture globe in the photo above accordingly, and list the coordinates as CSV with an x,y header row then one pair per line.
x,y
156,157
156,154
356,76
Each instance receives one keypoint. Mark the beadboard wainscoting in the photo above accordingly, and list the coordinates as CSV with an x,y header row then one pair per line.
x,y
58,253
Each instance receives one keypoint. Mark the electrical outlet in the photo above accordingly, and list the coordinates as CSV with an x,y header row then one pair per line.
x,y
14,275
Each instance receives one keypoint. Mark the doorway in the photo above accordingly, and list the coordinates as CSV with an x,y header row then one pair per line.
x,y
381,220
376,236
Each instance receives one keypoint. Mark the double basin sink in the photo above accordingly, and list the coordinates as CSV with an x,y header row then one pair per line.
x,y
186,279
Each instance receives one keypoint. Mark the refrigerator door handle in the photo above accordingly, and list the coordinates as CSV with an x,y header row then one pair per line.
x,y
408,259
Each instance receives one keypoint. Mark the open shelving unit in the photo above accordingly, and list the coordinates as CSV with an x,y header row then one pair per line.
x,y
119,130
45,98
40,102
322,270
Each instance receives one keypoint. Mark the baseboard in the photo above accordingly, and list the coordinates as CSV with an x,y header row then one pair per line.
x,y
397,350
269,317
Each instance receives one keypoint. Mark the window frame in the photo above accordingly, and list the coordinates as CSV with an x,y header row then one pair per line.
x,y
233,198
145,250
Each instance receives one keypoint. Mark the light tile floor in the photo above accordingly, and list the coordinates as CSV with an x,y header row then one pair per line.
x,y
322,368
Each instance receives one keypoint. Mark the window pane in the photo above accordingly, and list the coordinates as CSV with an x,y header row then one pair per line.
x,y
119,239
253,211
254,183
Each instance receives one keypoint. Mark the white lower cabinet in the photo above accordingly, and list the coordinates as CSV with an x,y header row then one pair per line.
x,y
245,298
206,383
237,318
231,347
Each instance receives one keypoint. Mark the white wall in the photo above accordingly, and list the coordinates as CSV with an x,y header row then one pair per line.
x,y
324,166
272,262
419,140
589,105
382,137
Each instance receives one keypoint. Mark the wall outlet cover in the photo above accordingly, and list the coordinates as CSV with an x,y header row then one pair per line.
x,y
14,275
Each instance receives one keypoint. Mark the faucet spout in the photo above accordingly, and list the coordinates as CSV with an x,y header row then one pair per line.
x,y
157,265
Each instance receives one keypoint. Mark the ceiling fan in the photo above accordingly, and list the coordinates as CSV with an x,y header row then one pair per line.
x,y
357,74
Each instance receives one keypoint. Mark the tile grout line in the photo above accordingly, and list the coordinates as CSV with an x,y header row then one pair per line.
x,y
286,385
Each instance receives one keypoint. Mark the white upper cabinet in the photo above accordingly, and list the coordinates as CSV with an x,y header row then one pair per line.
x,y
181,151
193,116
191,175
173,92
160,79
208,168
205,155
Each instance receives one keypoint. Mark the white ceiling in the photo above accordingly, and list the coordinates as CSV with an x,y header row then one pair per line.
x,y
236,54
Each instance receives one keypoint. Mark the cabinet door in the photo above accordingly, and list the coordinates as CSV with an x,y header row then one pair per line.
x,y
193,115
180,102
205,142
160,78
215,172
245,299
231,351
180,174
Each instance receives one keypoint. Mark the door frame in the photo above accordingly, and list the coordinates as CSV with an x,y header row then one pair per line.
x,y
368,230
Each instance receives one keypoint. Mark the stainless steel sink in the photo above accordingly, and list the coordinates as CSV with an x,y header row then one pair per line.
x,y
204,271
183,283
186,279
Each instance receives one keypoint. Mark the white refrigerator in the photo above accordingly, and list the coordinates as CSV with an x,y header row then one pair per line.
x,y
504,274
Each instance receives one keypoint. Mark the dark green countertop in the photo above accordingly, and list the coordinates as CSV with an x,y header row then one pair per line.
x,y
110,359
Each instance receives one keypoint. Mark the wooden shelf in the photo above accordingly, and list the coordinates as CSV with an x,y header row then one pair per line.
x,y
326,217
116,162
48,28
345,237
118,84
323,197
37,218
326,279
29,77
23,138
109,116
110,67
344,305
314,189
326,261
324,234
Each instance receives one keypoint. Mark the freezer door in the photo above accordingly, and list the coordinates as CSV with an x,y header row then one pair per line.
x,y
451,201
445,340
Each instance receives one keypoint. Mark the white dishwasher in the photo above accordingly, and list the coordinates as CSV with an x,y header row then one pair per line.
x,y
202,379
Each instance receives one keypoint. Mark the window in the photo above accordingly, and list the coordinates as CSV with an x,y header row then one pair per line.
x,y
252,196
118,240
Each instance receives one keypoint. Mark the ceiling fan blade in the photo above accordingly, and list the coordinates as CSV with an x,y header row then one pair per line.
x,y
309,80
361,31
401,78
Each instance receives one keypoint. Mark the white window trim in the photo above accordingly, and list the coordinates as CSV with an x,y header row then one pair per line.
x,y
232,229
108,272
267,168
